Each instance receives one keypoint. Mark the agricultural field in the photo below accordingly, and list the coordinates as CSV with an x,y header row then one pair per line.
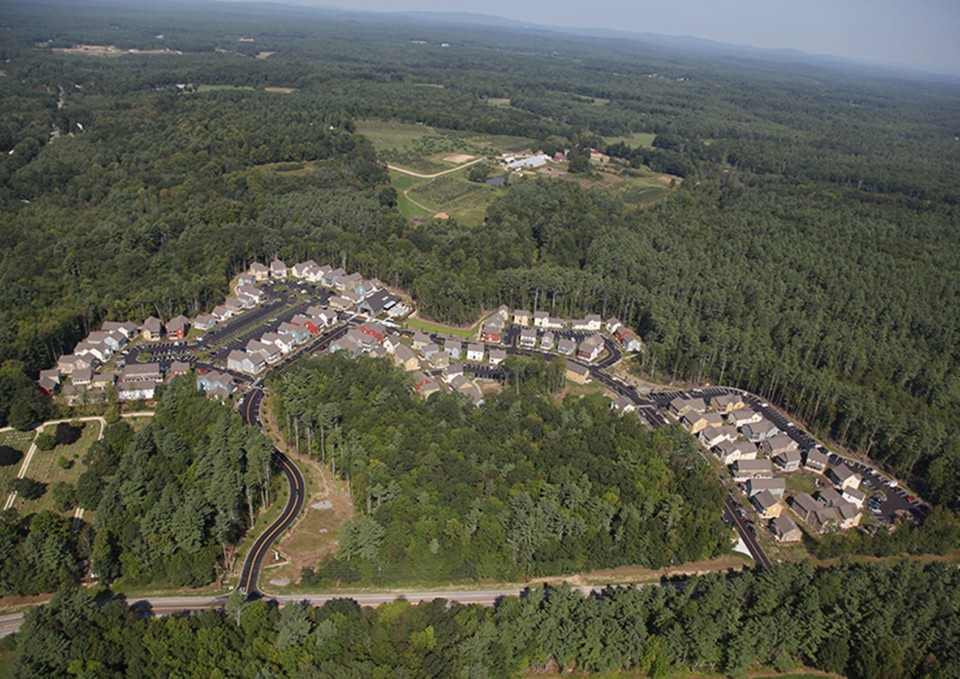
x,y
455,195
642,139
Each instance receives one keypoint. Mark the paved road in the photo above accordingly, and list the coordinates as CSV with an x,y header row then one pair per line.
x,y
250,574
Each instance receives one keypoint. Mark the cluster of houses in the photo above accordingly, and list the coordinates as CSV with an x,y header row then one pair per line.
x,y
353,291
537,330
759,454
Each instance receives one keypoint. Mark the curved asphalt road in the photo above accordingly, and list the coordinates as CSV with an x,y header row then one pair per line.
x,y
250,574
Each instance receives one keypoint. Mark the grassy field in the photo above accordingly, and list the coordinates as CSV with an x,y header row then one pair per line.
x,y
45,468
643,139
428,326
21,441
465,200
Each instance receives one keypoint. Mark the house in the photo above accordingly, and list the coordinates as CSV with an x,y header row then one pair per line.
x,y
815,461
178,368
307,323
630,342
81,377
367,287
767,504
67,363
468,388
420,340
744,470
593,322
590,348
152,329
848,514
246,279
566,346
696,422
348,283
622,404
221,313
404,358
177,328
430,350
349,344
577,373
451,372
742,416
492,330
424,386
142,371
612,325
547,341
823,519
497,356
475,351
374,329
785,530
49,380
453,348
554,323
300,269
726,403
136,390
712,436
103,381
390,342
338,302
776,486
804,505
521,317
528,338
377,303
438,361
216,383
251,291
270,353
353,298
681,406
282,342
759,431
331,277
234,306
91,351
779,443
278,269
298,334
828,497
204,322
844,477
540,319
729,452
854,496
788,461
128,329
261,272
244,362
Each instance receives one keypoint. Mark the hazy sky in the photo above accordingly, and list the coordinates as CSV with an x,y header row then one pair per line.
x,y
915,32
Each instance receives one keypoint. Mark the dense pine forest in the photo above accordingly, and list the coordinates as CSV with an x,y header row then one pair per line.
x,y
521,487
809,252
170,502
860,621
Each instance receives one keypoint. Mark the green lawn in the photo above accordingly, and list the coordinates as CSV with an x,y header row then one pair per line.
x,y
45,468
427,326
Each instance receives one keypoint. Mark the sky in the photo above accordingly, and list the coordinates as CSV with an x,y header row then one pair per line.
x,y
905,32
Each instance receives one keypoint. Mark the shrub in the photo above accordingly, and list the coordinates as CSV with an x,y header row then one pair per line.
x,y
46,441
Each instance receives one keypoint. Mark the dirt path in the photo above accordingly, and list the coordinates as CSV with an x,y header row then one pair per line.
x,y
406,194
435,174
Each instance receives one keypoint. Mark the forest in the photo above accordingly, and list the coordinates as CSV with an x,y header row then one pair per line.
x,y
170,502
859,621
520,488
809,254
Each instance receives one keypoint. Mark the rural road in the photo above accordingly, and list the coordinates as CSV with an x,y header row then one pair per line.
x,y
435,174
